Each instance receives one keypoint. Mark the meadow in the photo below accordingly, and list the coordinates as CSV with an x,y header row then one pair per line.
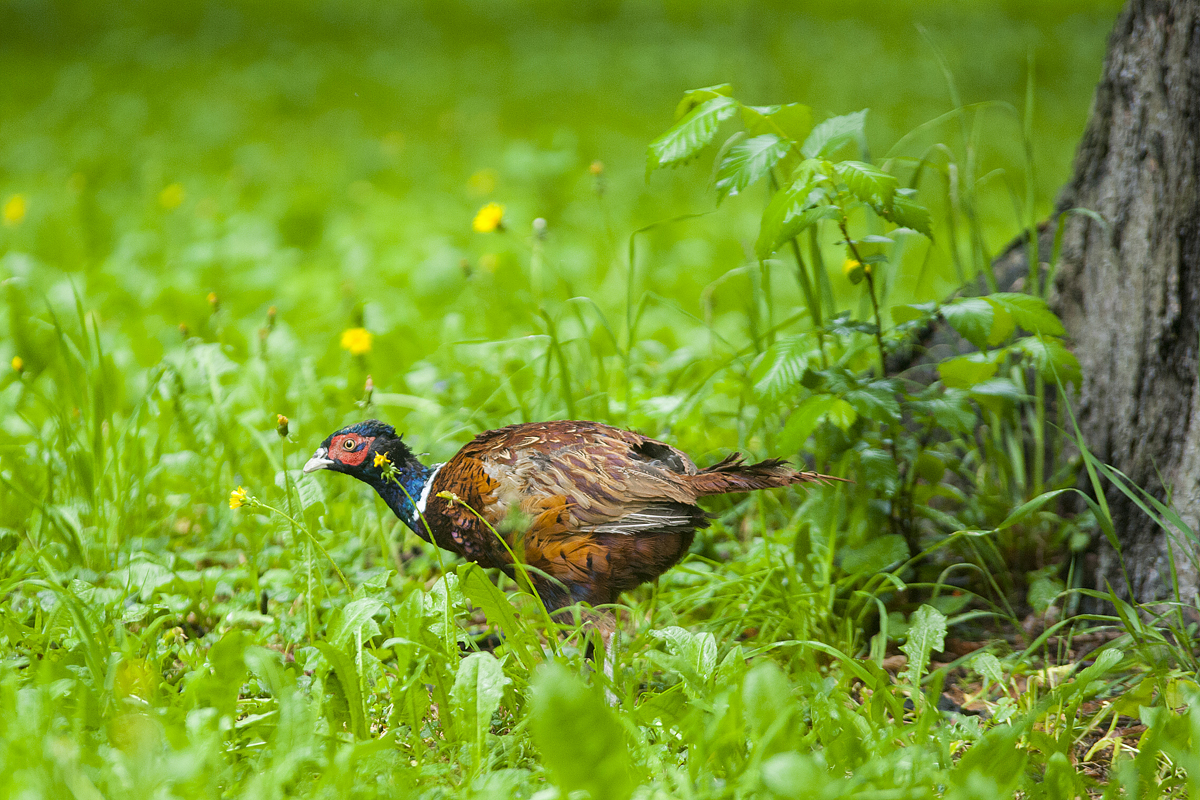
x,y
226,231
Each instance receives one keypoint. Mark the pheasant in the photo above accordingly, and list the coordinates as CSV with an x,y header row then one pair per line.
x,y
594,510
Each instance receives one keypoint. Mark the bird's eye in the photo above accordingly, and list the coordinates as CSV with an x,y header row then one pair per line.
x,y
348,444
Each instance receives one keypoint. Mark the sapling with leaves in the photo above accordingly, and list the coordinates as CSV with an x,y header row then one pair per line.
x,y
933,456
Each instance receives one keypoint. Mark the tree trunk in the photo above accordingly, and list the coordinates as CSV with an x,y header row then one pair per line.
x,y
1129,294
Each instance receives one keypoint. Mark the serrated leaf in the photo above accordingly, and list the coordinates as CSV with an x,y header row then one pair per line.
x,y
926,635
963,372
484,594
785,363
988,666
689,135
908,213
356,616
972,317
310,492
478,688
1031,313
951,411
694,97
789,213
834,132
347,681
841,414
868,183
747,162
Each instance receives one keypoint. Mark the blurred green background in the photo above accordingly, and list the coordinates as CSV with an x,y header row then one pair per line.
x,y
327,158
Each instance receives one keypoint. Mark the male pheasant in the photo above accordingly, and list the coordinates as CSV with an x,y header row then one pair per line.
x,y
595,510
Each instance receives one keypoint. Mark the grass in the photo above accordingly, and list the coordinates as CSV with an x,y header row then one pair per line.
x,y
210,197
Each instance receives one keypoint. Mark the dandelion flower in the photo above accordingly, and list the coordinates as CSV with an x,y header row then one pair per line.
x,y
490,218
357,341
172,196
281,425
14,210
18,364
381,459
238,497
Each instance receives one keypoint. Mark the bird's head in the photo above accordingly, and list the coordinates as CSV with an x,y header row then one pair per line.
x,y
353,449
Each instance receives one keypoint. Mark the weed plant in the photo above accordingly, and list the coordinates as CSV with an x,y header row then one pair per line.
x,y
184,614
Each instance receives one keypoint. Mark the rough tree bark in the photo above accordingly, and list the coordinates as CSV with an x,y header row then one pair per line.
x,y
1129,295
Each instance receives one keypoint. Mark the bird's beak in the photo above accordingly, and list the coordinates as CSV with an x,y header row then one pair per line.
x,y
320,460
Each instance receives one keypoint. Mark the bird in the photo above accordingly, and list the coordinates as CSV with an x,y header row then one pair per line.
x,y
594,510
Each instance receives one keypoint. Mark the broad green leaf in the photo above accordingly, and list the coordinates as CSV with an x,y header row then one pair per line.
x,y
791,121
926,635
688,136
951,410
765,697
803,421
310,491
478,688
834,132
747,162
355,616
695,656
963,372
1031,313
868,182
1051,358
912,312
581,741
880,470
841,414
997,394
908,213
876,400
795,775
1002,325
972,317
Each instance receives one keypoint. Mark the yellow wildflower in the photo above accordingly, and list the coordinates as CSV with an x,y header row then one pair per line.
x,y
281,425
14,210
172,196
597,168
854,270
18,363
238,497
381,459
490,218
357,341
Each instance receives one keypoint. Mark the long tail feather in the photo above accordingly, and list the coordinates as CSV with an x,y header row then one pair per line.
x,y
732,475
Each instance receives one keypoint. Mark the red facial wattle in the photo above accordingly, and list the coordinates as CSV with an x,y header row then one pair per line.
x,y
350,449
